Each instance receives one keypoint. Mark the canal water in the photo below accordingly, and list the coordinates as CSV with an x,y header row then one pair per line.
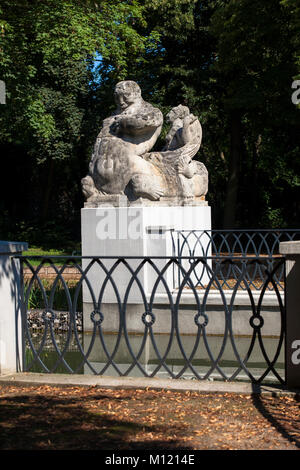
x,y
138,356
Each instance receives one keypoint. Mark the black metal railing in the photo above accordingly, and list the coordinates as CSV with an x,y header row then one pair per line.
x,y
122,316
228,243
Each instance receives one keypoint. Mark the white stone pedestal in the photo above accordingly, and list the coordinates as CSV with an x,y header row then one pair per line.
x,y
10,308
135,231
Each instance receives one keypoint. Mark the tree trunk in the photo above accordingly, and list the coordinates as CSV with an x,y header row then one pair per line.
x,y
233,170
253,183
47,193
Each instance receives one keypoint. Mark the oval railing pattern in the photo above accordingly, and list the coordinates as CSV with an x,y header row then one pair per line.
x,y
158,330
228,243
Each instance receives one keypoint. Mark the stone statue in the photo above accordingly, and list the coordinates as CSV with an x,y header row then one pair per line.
x,y
123,164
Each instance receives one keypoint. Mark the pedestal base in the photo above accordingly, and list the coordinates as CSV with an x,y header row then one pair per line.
x,y
134,232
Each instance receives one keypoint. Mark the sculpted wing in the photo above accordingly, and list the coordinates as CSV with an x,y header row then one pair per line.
x,y
187,152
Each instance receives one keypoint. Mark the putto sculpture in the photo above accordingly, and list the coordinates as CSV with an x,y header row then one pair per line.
x,y
123,164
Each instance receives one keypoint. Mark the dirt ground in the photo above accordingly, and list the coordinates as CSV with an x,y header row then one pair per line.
x,y
92,418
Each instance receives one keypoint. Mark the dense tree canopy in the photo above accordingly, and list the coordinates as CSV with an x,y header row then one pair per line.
x,y
47,53
232,62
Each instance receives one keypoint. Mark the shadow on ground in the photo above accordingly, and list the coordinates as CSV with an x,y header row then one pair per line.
x,y
39,422
277,417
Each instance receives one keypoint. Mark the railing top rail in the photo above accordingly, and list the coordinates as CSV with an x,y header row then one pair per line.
x,y
258,230
240,258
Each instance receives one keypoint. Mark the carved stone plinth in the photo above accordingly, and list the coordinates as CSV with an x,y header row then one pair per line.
x,y
113,200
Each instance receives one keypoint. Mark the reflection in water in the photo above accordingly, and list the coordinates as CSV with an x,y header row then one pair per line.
x,y
138,356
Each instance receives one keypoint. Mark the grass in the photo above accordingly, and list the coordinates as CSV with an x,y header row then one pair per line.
x,y
39,251
36,300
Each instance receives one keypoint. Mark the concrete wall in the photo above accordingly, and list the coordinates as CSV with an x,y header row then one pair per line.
x,y
215,310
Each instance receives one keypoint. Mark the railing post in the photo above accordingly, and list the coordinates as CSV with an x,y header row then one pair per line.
x,y
10,307
291,250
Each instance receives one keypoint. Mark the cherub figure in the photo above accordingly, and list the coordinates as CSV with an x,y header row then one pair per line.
x,y
130,132
186,134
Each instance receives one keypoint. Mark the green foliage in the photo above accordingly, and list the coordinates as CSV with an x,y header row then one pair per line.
x,y
45,48
36,298
293,7
51,116
231,61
